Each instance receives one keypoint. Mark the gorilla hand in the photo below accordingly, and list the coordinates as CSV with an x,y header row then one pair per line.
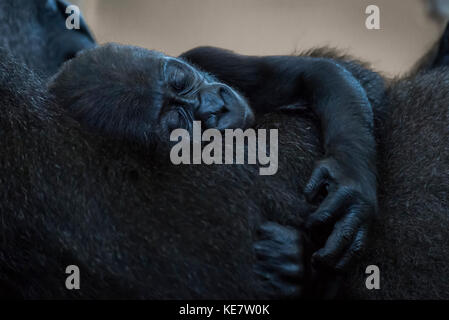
x,y
280,260
349,205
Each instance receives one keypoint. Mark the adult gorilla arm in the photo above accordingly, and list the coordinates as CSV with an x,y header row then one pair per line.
x,y
348,170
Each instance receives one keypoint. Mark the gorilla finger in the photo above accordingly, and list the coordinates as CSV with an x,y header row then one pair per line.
x,y
331,209
316,183
354,250
341,237
266,249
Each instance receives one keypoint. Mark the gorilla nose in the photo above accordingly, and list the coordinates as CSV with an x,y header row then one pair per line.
x,y
222,108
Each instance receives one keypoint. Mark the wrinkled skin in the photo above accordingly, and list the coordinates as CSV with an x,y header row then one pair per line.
x,y
36,34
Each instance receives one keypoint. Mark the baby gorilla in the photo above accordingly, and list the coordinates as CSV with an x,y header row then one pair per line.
x,y
139,95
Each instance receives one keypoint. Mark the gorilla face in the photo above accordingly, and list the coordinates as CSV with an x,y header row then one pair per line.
x,y
137,94
194,95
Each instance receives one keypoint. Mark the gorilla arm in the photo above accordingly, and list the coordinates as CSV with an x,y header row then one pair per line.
x,y
347,171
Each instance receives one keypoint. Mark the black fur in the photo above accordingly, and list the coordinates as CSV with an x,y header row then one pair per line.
x,y
126,92
74,198
409,240
344,105
139,95
110,167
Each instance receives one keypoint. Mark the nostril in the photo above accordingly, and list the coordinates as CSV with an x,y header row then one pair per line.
x,y
223,109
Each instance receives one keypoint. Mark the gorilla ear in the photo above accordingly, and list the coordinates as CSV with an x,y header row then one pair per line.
x,y
62,6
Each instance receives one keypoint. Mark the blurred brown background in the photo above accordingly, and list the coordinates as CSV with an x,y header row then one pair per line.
x,y
269,27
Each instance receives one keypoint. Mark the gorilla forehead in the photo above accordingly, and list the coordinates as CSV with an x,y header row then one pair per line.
x,y
117,63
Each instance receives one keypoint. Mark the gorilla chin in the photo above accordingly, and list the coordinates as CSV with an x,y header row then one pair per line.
x,y
157,93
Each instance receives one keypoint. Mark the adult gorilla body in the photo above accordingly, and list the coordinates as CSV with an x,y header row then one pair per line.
x,y
95,207
114,250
